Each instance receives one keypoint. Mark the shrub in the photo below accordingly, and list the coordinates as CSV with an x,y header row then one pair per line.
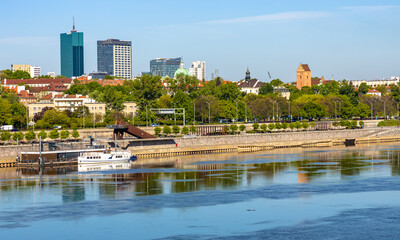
x,y
292,125
305,125
185,130
75,134
42,134
255,126
285,125
29,136
166,129
250,131
225,129
361,123
176,129
278,125
233,128
298,125
18,135
353,124
64,134
193,129
157,130
336,124
271,126
5,136
313,124
54,134
264,127
242,127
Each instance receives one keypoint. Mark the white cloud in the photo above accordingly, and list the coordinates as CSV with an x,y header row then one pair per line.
x,y
369,8
284,16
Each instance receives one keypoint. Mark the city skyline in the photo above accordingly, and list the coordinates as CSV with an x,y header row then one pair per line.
x,y
346,39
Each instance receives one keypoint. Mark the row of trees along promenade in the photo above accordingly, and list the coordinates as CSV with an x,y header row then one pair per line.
x,y
207,102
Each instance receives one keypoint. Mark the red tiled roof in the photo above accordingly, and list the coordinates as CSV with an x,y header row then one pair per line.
x,y
26,94
36,81
305,67
47,97
253,83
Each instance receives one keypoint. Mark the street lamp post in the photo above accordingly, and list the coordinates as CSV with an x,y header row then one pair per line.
x,y
372,108
335,112
384,108
236,111
194,113
147,121
245,110
290,116
209,112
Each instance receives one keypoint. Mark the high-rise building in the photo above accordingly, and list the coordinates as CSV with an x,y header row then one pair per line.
x,y
198,69
115,57
164,66
33,71
71,46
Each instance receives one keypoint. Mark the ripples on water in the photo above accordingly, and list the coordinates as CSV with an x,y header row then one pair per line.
x,y
280,194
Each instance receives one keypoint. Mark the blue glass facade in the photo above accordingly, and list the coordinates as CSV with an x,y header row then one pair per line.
x,y
71,47
106,55
164,66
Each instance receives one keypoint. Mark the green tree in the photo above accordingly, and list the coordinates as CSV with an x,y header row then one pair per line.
x,y
363,88
5,136
18,135
298,125
75,134
64,134
276,82
176,129
185,130
313,124
266,89
29,136
42,134
193,129
285,125
278,125
361,123
292,125
166,129
54,134
157,130
5,112
20,75
242,127
271,126
362,110
256,126
305,125
264,127
233,127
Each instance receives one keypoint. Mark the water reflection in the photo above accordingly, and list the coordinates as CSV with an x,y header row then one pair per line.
x,y
208,172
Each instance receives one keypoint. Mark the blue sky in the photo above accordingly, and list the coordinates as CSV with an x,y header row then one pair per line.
x,y
348,39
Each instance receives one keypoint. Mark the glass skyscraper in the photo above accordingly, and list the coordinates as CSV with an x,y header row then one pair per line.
x,y
164,66
71,46
115,57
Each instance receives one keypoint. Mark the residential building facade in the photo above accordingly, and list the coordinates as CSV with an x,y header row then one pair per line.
x,y
115,57
164,66
71,47
33,71
198,69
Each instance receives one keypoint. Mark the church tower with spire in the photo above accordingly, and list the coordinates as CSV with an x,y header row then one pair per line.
x,y
248,78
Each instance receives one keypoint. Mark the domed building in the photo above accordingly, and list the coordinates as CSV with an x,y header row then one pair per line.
x,y
181,70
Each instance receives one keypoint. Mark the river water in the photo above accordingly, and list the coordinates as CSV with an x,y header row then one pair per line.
x,y
324,193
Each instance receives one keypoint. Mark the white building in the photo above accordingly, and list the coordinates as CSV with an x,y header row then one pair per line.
x,y
375,83
35,71
198,69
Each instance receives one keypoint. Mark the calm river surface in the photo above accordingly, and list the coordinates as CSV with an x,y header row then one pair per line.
x,y
324,193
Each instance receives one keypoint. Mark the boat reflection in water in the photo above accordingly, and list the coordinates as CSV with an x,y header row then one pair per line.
x,y
103,166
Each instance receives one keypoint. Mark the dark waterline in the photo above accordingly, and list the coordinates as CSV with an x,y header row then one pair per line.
x,y
330,193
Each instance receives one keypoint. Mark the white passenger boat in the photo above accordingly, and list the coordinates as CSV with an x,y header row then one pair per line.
x,y
107,156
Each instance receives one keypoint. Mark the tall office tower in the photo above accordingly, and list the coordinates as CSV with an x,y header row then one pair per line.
x,y
71,46
164,66
198,69
115,57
